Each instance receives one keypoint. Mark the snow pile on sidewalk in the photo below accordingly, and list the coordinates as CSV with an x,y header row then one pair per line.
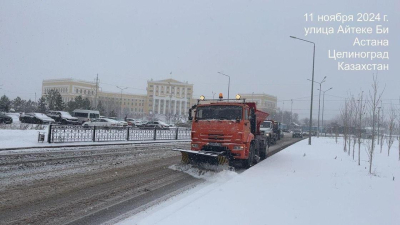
x,y
318,184
21,138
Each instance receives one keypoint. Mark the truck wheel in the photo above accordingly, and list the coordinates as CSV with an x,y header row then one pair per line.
x,y
247,163
264,152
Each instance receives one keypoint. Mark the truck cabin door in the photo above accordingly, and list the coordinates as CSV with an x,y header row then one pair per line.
x,y
247,124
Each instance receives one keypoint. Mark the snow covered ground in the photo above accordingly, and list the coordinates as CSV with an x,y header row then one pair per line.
x,y
318,184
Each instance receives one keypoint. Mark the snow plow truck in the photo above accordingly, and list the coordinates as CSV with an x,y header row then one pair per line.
x,y
226,132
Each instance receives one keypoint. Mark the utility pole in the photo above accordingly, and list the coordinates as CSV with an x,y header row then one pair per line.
x,y
319,99
282,110
120,112
291,111
169,107
229,82
97,87
323,108
312,87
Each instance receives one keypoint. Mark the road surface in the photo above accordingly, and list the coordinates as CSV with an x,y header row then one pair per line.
x,y
90,185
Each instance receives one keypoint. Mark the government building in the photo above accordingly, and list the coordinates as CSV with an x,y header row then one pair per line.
x,y
168,97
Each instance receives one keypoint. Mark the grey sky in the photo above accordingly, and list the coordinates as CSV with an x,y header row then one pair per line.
x,y
130,42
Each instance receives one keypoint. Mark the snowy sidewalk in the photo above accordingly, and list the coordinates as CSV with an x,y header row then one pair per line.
x,y
318,184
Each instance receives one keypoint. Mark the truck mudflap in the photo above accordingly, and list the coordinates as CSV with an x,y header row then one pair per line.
x,y
201,157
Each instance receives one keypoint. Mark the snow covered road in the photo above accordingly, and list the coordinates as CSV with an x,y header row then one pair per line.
x,y
90,185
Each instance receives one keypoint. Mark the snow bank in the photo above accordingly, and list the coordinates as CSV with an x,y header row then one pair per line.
x,y
318,184
20,138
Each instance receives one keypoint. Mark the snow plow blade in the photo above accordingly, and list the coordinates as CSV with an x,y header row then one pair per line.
x,y
203,157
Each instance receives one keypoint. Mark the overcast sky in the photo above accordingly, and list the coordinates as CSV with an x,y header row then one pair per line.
x,y
130,42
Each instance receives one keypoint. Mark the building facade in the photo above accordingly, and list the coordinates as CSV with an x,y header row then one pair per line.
x,y
70,88
164,97
168,97
264,102
123,104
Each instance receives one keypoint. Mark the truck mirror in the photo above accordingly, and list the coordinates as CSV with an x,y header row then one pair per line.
x,y
190,115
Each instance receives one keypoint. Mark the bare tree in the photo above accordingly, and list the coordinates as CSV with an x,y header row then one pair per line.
x,y
353,121
381,134
361,111
374,99
391,127
344,115
398,137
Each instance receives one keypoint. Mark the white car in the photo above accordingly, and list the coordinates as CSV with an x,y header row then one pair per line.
x,y
101,122
122,123
134,122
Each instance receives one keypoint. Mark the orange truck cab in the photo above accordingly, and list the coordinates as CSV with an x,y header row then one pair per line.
x,y
226,132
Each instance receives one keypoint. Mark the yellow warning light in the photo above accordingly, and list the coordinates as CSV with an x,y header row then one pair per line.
x,y
221,96
238,97
202,97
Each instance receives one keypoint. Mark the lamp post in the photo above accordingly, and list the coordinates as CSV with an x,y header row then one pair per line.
x,y
229,82
291,111
319,99
323,107
120,112
312,87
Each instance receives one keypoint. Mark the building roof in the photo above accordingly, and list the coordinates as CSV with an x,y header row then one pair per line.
x,y
169,81
68,80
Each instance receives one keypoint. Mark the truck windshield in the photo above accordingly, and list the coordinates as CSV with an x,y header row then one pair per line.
x,y
219,112
266,124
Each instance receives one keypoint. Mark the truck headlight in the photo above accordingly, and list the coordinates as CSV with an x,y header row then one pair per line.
x,y
238,147
267,135
195,145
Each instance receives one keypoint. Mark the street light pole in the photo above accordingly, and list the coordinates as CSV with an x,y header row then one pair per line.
x,y
319,99
323,108
120,112
291,111
229,82
282,110
312,87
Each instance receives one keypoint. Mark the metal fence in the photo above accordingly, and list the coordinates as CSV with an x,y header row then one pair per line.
x,y
68,133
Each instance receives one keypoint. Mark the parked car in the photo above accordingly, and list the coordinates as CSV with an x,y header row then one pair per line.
x,y
5,119
122,123
84,115
63,117
101,122
155,124
297,133
134,122
172,126
36,118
